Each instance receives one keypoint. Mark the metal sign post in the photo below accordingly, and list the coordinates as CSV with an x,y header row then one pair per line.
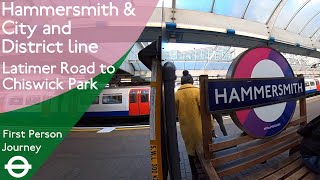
x,y
169,77
155,120
151,58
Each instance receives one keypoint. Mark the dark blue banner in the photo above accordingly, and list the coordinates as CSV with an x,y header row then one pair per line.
x,y
235,94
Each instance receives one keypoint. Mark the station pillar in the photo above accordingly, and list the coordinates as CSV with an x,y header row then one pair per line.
x,y
169,77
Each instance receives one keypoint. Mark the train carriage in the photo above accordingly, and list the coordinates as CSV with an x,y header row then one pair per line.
x,y
120,102
310,86
317,84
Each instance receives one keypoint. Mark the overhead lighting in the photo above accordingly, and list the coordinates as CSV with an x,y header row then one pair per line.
x,y
149,24
125,80
204,28
259,36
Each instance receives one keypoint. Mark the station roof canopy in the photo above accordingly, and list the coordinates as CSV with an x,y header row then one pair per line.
x,y
298,16
214,57
211,57
294,25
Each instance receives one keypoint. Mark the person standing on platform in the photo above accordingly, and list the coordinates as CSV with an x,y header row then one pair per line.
x,y
187,101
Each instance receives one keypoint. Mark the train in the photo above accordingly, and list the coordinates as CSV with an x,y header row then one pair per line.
x,y
121,102
312,85
111,102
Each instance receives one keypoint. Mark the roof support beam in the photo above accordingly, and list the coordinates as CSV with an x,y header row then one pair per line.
x,y
142,45
213,53
245,11
315,38
309,21
212,7
316,34
274,16
295,14
195,27
226,53
174,3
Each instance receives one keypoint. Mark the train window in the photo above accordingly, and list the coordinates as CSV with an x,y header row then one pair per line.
x,y
307,84
145,96
112,99
312,83
96,101
33,100
16,101
133,97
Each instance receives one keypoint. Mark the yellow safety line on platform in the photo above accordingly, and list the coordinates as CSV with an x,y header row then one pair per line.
x,y
85,130
133,128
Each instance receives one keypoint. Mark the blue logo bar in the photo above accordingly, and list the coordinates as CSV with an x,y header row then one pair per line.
x,y
236,94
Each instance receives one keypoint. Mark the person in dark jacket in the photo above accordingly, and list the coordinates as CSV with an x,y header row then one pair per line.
x,y
310,145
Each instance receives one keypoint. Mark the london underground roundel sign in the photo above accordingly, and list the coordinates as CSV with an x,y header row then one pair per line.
x,y
260,92
263,62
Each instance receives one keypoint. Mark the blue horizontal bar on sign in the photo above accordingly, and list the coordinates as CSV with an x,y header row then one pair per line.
x,y
236,94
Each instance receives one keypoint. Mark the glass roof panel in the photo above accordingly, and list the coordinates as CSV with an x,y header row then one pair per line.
x,y
143,67
312,27
136,66
234,8
167,3
189,65
226,66
217,66
185,55
179,65
198,5
200,65
214,66
288,10
260,11
306,13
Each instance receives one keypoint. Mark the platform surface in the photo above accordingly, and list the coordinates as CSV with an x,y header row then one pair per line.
x,y
123,153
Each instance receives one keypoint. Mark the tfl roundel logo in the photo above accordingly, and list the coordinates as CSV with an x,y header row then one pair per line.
x,y
268,120
260,92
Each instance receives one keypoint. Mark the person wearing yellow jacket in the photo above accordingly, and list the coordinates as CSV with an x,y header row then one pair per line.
x,y
187,101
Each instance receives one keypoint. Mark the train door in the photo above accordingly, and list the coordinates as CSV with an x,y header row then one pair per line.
x,y
139,102
317,84
144,102
313,85
133,102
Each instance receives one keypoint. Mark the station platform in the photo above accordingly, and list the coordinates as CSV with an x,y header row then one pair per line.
x,y
123,153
